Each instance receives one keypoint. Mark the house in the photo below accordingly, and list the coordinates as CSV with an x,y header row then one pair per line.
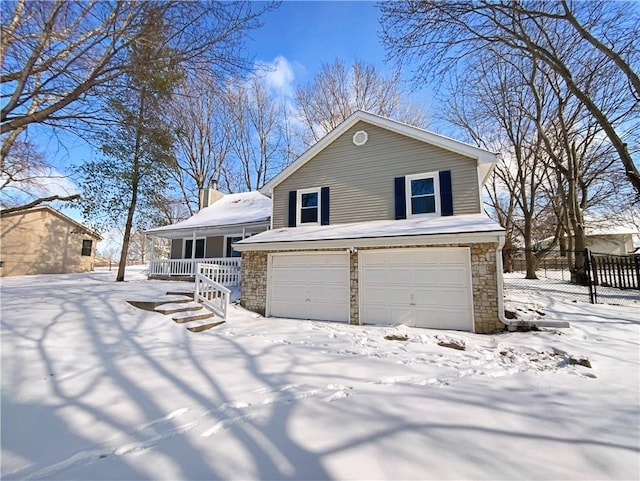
x,y
379,223
208,235
610,238
42,240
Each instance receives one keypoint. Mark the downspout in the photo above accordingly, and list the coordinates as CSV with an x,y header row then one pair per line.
x,y
513,324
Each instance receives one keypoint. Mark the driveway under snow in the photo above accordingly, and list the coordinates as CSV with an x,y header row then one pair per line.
x,y
93,388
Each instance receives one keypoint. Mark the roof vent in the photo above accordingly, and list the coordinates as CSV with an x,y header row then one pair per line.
x,y
360,138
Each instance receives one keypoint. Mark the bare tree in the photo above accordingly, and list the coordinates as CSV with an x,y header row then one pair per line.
x,y
28,180
339,90
200,122
580,159
554,153
558,34
139,247
256,132
492,103
58,57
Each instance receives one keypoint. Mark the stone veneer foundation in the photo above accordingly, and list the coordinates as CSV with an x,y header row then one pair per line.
x,y
253,287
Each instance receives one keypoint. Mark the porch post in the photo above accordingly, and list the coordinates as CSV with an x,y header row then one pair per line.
x,y
153,248
193,253
152,254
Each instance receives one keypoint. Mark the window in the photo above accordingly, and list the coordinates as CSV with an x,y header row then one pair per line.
x,y
229,250
309,206
423,194
188,246
86,247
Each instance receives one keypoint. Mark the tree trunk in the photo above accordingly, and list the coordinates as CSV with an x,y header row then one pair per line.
x,y
574,211
507,257
135,179
529,256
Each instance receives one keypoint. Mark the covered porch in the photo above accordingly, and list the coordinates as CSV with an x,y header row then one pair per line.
x,y
206,245
208,237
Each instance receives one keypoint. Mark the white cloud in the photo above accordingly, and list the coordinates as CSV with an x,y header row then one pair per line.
x,y
279,75
40,181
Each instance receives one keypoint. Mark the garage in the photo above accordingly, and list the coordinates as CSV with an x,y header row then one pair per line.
x,y
421,287
309,285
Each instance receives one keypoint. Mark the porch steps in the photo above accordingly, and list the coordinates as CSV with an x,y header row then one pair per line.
x,y
193,315
174,307
155,304
182,309
204,326
181,293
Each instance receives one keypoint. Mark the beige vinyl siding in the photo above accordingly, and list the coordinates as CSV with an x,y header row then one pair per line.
x,y
214,246
361,179
176,248
40,241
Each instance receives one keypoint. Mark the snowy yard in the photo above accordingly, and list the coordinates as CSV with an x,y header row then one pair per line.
x,y
93,388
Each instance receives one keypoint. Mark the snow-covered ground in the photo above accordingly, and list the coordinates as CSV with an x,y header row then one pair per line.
x,y
93,388
556,284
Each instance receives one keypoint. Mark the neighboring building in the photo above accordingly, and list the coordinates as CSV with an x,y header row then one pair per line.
x,y
42,240
612,239
208,235
380,223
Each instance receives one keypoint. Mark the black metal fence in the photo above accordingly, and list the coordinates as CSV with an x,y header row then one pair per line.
x,y
604,279
622,272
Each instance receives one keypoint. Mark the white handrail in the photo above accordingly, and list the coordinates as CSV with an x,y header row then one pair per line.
x,y
210,293
228,274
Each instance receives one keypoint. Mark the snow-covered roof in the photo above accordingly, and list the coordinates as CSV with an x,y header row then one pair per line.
x,y
232,209
603,225
605,230
417,226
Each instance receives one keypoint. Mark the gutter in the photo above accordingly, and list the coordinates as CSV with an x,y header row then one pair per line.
x,y
513,324
395,240
167,233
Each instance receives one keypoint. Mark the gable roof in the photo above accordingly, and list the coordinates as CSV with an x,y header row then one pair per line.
x,y
231,210
484,158
46,208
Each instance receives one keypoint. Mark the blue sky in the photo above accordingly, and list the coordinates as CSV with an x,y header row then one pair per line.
x,y
295,40
308,34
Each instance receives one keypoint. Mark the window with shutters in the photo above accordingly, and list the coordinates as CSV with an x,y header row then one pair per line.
x,y
308,207
422,194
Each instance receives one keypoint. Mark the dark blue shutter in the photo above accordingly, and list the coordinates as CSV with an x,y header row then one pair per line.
x,y
324,206
446,194
293,198
401,198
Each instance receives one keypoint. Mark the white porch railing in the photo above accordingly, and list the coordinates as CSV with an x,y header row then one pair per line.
x,y
228,273
211,294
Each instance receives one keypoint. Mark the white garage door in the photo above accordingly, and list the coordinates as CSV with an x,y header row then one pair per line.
x,y
313,285
428,287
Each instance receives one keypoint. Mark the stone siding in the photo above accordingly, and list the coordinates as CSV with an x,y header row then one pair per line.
x,y
485,288
483,271
253,281
354,308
